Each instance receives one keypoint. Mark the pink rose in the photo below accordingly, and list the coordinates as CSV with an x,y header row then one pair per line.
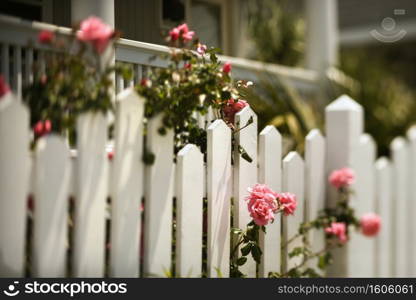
x,y
174,34
188,36
288,203
262,204
370,224
42,128
110,155
188,66
183,28
339,230
47,126
232,107
182,31
4,87
93,30
146,82
201,49
45,36
226,68
342,178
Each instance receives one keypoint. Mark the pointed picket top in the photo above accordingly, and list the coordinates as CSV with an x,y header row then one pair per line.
x,y
382,163
293,158
10,101
366,138
217,124
398,143
7,99
242,117
411,133
271,132
315,134
129,95
189,211
344,103
189,150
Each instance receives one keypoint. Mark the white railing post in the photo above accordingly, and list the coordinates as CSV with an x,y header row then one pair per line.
x,y
344,126
322,37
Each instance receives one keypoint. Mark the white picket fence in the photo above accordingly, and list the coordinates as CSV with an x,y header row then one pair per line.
x,y
52,175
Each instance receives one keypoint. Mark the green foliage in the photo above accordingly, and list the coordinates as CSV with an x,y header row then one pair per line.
x,y
278,103
277,32
381,88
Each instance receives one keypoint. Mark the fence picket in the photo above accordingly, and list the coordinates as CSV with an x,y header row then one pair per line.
x,y
399,150
14,184
127,185
270,173
51,190
158,201
293,182
344,126
384,208
315,182
189,207
363,202
411,136
245,174
91,195
219,190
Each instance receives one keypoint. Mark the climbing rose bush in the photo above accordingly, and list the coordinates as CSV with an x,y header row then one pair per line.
x,y
75,81
194,83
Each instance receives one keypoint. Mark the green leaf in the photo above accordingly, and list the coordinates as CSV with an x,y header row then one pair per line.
x,y
246,249
296,252
236,230
148,157
242,260
244,154
294,273
309,272
256,253
324,260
